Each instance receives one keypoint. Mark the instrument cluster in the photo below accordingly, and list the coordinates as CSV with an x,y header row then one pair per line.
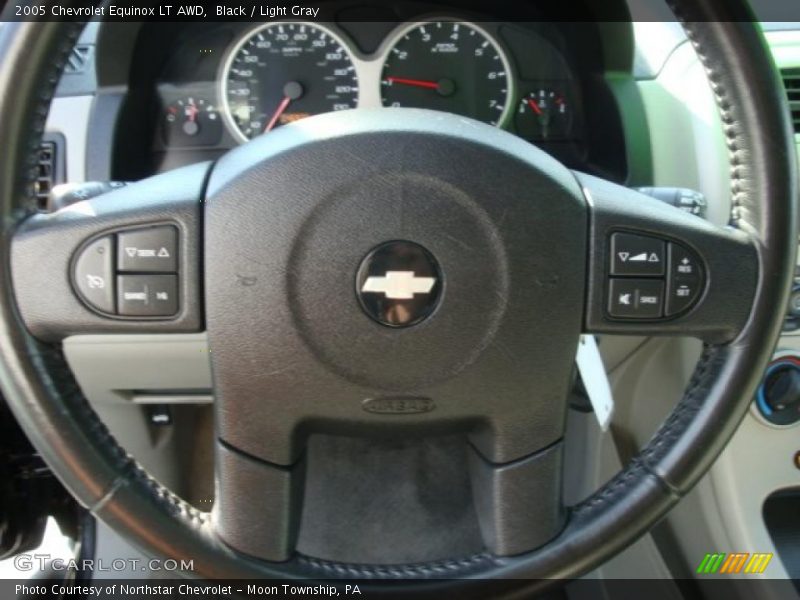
x,y
267,76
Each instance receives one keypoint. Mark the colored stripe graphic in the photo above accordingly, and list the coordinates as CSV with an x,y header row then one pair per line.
x,y
711,563
758,563
734,563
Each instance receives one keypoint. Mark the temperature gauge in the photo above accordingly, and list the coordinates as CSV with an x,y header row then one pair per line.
x,y
192,122
544,114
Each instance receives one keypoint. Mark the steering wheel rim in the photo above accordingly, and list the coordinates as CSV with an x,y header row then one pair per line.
x,y
63,427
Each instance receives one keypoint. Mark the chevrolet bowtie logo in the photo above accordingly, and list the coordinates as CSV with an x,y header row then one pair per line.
x,y
399,285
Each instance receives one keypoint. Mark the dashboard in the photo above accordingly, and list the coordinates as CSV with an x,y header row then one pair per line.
x,y
196,90
279,72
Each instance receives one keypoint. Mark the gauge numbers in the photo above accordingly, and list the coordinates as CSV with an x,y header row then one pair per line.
x,y
283,72
449,66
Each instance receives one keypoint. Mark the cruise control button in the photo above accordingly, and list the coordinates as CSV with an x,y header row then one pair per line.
x,y
637,255
684,281
683,263
151,250
681,295
147,295
94,277
636,298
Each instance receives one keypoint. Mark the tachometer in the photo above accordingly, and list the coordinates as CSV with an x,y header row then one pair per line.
x,y
285,71
449,66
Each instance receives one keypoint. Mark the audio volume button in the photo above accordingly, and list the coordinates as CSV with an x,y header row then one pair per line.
x,y
149,250
637,255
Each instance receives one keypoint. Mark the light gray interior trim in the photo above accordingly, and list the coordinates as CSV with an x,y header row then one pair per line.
x,y
172,398
590,460
655,42
785,45
756,463
123,376
687,141
115,369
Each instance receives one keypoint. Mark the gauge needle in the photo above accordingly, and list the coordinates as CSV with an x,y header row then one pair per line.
x,y
278,112
535,106
433,85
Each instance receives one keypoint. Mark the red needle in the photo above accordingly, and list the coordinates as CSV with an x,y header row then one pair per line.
x,y
278,112
415,82
532,103
193,110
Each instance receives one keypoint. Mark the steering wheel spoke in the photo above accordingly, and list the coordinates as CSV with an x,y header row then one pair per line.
x,y
518,504
657,270
125,261
258,504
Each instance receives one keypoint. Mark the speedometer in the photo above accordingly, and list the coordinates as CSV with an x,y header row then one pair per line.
x,y
449,66
285,71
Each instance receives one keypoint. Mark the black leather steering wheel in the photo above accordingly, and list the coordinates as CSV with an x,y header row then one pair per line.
x,y
283,224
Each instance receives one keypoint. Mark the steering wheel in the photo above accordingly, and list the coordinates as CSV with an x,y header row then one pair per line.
x,y
402,273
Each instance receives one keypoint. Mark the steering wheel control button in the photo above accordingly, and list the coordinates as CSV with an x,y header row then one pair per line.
x,y
93,277
399,284
636,298
147,295
685,279
681,295
674,277
637,255
151,250
683,264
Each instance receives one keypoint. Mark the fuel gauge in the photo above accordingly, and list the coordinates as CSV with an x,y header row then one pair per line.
x,y
544,114
191,122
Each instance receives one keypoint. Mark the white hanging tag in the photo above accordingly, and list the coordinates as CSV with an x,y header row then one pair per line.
x,y
595,380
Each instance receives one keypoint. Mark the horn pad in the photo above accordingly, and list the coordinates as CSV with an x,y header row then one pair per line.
x,y
293,221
